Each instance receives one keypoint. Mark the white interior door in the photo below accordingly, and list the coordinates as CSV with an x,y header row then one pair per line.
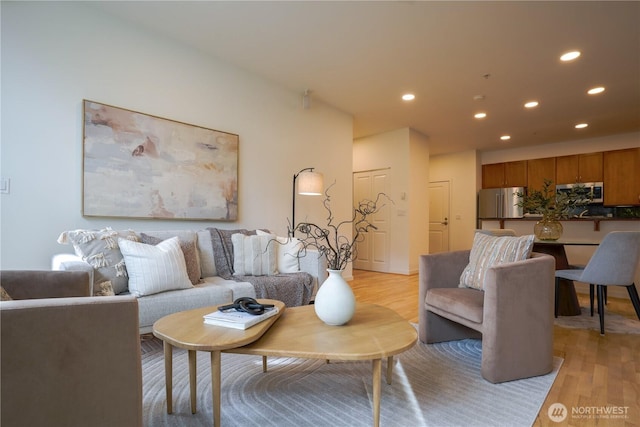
x,y
373,250
439,218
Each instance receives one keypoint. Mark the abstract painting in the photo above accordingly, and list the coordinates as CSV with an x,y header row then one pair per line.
x,y
141,166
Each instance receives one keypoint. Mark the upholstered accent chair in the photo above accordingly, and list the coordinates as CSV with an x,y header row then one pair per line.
x,y
67,359
512,314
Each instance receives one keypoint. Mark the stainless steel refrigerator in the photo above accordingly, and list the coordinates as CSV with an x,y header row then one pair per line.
x,y
499,203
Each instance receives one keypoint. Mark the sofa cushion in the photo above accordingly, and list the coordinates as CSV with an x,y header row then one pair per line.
x,y
212,291
189,249
465,303
488,251
254,255
154,269
100,249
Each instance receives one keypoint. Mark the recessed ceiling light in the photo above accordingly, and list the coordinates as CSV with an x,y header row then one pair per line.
x,y
570,56
505,137
408,97
581,125
531,104
595,90
480,115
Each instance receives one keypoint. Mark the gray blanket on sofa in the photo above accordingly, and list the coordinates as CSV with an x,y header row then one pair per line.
x,y
293,289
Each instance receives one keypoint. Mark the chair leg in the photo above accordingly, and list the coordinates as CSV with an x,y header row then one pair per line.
x,y
591,291
605,295
555,305
600,290
635,299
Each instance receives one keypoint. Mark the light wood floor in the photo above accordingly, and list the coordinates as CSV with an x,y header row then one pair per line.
x,y
598,371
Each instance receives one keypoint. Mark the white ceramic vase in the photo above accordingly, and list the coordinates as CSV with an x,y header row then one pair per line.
x,y
335,303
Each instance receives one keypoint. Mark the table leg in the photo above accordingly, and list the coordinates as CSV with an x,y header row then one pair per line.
x,y
168,375
568,304
377,377
192,379
389,369
215,386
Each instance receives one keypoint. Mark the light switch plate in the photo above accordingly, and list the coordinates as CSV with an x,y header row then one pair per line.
x,y
5,185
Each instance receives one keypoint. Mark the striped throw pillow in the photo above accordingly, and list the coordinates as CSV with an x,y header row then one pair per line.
x,y
153,269
488,251
254,255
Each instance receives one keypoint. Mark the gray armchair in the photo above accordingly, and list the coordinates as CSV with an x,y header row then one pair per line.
x,y
613,264
513,314
71,360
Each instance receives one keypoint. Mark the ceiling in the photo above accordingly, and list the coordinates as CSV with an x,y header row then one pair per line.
x,y
361,56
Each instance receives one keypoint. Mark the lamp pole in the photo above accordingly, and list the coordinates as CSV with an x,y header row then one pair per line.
x,y
293,209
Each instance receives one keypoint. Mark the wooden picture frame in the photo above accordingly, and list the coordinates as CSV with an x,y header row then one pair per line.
x,y
140,166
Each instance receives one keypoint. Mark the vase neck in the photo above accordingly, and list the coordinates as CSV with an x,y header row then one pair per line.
x,y
339,272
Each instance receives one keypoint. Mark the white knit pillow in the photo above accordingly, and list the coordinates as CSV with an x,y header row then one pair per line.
x,y
153,269
254,255
288,253
488,251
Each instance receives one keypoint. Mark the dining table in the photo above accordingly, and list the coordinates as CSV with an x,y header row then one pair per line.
x,y
568,304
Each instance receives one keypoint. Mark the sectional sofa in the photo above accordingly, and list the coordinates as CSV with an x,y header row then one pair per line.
x,y
175,270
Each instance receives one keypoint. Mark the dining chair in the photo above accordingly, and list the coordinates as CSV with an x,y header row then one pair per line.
x,y
614,263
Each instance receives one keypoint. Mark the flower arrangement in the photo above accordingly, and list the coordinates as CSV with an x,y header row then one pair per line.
x,y
338,249
551,205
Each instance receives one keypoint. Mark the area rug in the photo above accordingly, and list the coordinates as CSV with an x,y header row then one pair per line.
x,y
432,385
613,323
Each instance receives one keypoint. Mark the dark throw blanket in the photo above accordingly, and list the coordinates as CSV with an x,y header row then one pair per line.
x,y
293,289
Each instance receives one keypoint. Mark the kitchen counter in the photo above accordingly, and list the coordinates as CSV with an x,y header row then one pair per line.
x,y
595,219
589,229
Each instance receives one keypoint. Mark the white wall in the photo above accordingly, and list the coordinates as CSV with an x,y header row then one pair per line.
x,y
418,198
55,54
461,170
405,153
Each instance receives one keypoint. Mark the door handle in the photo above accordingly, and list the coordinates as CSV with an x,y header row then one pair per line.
x,y
445,222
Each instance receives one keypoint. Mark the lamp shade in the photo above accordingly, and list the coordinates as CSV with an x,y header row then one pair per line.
x,y
310,183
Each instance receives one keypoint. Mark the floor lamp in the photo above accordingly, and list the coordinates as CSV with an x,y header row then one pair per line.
x,y
310,183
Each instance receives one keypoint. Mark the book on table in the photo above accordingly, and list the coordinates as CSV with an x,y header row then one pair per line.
x,y
238,319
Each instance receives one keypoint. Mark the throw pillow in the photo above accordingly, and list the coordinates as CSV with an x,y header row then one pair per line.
x,y
154,269
254,255
488,251
223,249
287,253
206,255
190,251
4,295
103,289
100,249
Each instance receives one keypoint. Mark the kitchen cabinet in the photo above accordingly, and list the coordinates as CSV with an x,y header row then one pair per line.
x,y
508,174
538,170
621,177
579,168
493,175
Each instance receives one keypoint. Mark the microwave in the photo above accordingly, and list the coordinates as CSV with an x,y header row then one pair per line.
x,y
593,188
